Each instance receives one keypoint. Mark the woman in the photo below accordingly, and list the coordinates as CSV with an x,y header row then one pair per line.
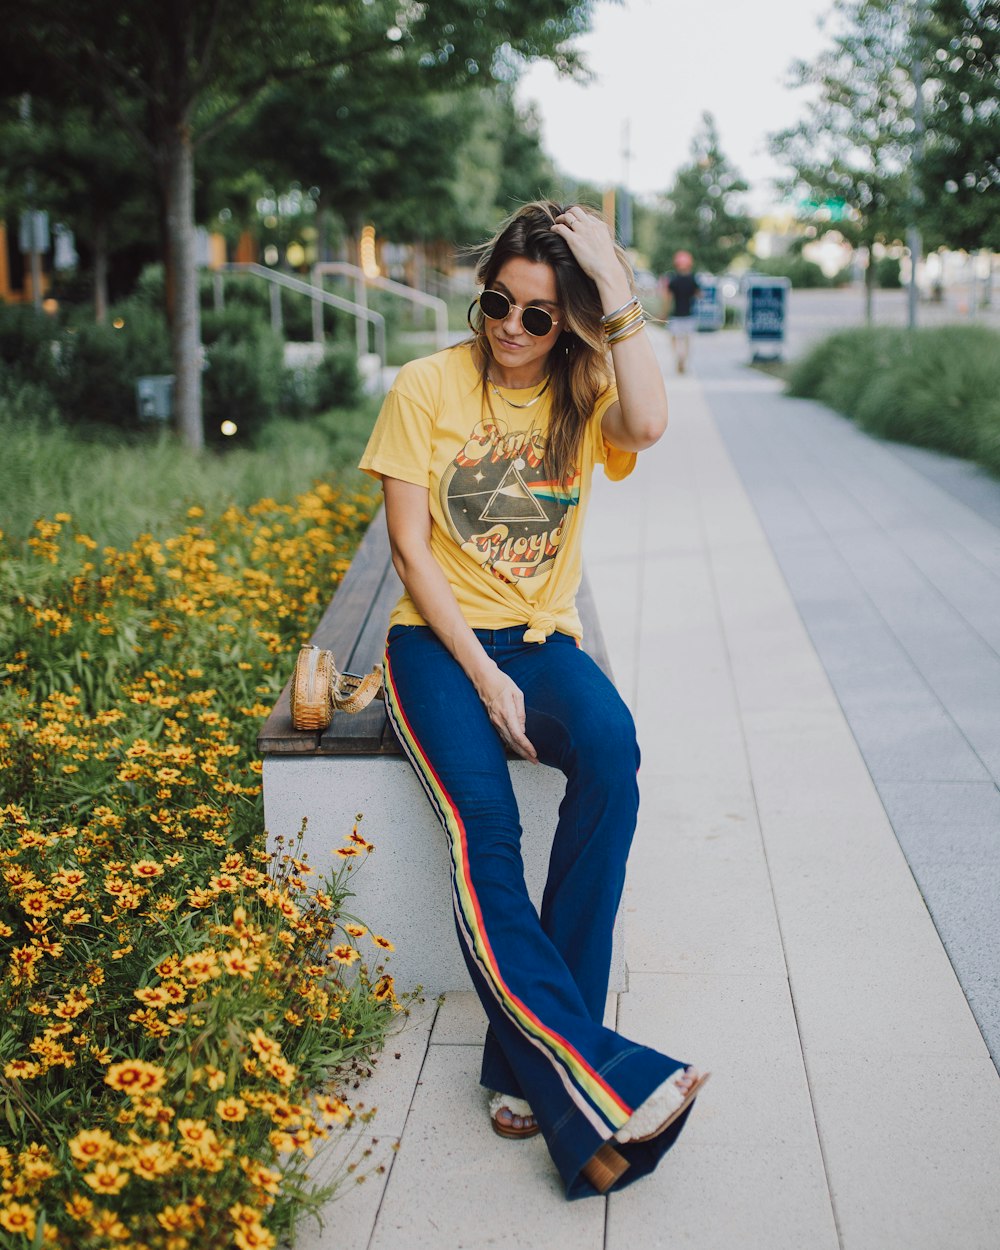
x,y
486,452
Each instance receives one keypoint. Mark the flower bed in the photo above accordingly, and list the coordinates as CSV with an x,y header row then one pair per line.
x,y
179,997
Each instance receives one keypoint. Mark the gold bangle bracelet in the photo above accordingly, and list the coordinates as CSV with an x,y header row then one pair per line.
x,y
626,334
636,314
612,315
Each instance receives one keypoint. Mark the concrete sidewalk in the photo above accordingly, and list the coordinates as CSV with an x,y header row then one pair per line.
x,y
774,930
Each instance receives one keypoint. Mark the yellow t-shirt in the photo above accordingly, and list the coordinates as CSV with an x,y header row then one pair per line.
x,y
507,537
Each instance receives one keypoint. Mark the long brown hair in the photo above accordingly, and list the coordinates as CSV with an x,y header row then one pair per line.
x,y
579,364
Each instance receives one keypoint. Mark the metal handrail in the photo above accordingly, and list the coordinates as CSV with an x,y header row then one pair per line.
x,y
316,293
363,280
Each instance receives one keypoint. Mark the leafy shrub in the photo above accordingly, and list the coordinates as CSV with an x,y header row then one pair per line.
x,y
99,364
937,387
28,349
887,273
338,383
801,273
245,372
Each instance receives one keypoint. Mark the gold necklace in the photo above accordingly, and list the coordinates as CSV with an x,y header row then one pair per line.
x,y
534,400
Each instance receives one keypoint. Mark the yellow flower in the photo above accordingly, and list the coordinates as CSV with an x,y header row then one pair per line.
x,y
334,1108
282,1070
261,1177
177,1218
107,1178
91,1145
107,1225
16,1217
253,1237
264,1046
199,966
153,1159
78,1207
345,954
385,990
194,1131
232,1109
135,1076
383,942
153,996
22,1069
240,963
147,869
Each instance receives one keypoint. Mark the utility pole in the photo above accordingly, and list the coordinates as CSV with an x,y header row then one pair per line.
x,y
625,204
913,238
33,224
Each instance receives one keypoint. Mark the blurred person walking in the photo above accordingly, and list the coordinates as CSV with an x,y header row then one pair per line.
x,y
683,290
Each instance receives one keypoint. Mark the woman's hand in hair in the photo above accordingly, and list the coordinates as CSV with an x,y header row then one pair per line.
x,y
589,239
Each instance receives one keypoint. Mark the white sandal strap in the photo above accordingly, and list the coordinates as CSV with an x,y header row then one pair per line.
x,y
516,1106
658,1107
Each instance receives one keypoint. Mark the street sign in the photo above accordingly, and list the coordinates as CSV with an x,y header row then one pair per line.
x,y
154,397
764,316
709,313
33,233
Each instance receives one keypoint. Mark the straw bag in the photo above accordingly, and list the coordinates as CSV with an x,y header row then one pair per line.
x,y
318,690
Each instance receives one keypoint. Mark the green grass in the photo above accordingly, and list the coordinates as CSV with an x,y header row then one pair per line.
x,y
119,485
936,388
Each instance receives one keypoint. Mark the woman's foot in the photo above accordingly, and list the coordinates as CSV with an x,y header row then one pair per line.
x,y
512,1117
663,1106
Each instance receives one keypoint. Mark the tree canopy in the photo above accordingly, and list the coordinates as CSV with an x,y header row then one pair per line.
x,y
172,76
703,211
904,126
959,175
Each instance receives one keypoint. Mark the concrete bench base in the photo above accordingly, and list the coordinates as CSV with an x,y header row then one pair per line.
x,y
404,890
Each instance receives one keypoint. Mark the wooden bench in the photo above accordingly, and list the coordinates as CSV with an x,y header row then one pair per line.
x,y
356,765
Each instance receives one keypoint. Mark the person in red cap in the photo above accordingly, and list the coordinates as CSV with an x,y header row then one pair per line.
x,y
684,290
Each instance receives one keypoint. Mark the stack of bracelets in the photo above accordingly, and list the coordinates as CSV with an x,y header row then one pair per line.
x,y
623,322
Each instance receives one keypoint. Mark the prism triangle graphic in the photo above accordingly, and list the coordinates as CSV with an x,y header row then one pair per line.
x,y
512,501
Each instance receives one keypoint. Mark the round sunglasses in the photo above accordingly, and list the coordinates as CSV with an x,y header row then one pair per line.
x,y
536,321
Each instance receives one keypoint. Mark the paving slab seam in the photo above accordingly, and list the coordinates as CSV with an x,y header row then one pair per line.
x,y
402,1133
724,635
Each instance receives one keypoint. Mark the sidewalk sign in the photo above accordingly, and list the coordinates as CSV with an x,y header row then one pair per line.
x,y
154,397
709,312
764,316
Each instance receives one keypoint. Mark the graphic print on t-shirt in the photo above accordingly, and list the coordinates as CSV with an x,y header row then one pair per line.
x,y
502,507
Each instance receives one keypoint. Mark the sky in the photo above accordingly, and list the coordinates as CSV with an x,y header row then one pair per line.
x,y
659,65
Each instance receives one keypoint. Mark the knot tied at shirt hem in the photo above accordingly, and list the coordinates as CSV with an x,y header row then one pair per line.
x,y
540,625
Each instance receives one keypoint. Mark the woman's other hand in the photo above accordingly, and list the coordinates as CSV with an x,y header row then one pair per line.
x,y
504,701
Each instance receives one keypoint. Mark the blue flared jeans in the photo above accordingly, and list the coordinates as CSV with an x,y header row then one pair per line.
x,y
542,976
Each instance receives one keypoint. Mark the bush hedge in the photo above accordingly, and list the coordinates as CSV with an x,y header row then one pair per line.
x,y
937,387
803,274
87,372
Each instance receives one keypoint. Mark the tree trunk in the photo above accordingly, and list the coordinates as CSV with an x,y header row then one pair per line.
x,y
182,280
100,242
870,288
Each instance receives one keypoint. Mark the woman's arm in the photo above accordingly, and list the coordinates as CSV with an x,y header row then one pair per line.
x,y
408,517
639,418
